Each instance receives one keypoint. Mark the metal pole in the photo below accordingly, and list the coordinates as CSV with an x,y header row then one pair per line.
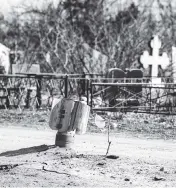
x,y
150,98
87,90
39,88
66,86
28,98
83,85
91,91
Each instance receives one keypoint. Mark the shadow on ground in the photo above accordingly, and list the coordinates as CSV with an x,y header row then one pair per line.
x,y
23,151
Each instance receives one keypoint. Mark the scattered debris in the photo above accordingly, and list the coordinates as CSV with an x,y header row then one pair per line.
x,y
112,156
161,169
55,171
161,120
168,127
158,179
80,156
99,122
113,125
41,120
101,163
8,167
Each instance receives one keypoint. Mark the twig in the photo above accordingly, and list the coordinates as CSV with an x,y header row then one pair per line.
x,y
55,171
9,166
109,142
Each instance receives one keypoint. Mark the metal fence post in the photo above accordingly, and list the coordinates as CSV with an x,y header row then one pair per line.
x,y
66,86
83,85
87,90
39,88
91,91
28,98
7,100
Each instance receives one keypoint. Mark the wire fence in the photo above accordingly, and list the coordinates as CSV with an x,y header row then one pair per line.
x,y
139,95
37,91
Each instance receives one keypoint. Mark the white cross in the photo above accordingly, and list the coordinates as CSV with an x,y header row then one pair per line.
x,y
154,60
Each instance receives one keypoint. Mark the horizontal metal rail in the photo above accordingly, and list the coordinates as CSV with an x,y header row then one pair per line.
x,y
136,109
144,85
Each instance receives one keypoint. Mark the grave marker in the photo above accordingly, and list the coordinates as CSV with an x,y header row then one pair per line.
x,y
155,60
4,58
174,63
135,73
114,75
25,68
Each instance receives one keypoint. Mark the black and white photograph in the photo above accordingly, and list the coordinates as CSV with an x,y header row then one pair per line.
x,y
88,93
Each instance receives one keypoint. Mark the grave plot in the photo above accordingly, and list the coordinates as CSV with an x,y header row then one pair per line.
x,y
36,91
112,93
131,92
136,95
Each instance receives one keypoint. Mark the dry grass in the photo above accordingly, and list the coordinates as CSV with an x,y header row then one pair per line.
x,y
27,118
157,126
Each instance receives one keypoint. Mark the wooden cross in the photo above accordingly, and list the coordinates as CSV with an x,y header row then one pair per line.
x,y
154,60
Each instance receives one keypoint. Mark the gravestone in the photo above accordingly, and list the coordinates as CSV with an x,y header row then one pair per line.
x,y
4,59
155,60
112,92
115,73
95,60
135,73
174,63
25,69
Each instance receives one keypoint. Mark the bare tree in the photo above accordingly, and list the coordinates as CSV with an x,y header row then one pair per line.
x,y
71,33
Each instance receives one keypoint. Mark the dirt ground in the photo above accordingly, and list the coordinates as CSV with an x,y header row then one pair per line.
x,y
139,162
141,154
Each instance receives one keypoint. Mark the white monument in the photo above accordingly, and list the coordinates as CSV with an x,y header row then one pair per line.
x,y
95,60
155,60
26,68
4,58
174,63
